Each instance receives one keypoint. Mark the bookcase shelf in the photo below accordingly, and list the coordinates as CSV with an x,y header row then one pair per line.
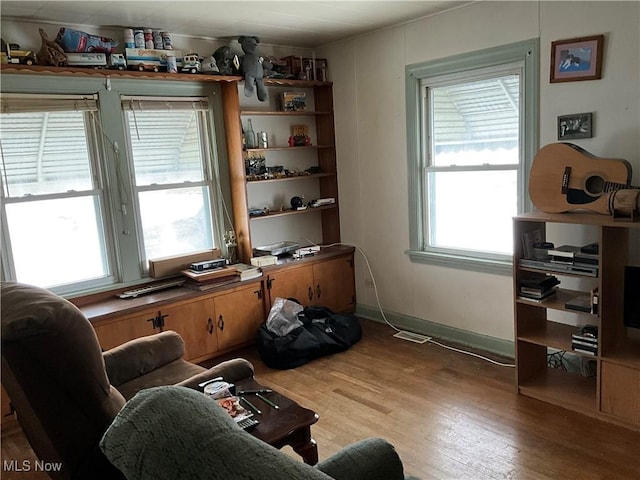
x,y
612,394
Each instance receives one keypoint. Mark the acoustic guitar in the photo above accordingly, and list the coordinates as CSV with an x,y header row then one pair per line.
x,y
565,177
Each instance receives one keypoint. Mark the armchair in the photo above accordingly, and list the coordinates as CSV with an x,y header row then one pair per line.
x,y
169,432
66,392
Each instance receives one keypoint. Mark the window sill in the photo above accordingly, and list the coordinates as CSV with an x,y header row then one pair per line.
x,y
462,262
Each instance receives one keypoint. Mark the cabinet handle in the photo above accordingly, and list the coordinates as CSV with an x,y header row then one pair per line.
x,y
318,292
221,322
259,294
210,326
310,293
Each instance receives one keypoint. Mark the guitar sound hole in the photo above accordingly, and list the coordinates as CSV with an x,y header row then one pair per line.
x,y
594,185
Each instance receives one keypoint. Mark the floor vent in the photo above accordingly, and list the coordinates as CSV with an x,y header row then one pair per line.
x,y
412,337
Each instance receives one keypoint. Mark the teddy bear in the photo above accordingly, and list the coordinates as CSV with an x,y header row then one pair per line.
x,y
251,67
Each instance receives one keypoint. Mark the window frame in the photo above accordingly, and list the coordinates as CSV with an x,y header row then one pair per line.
x,y
525,52
97,193
207,158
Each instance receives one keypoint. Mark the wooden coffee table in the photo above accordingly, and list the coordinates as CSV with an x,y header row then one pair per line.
x,y
290,424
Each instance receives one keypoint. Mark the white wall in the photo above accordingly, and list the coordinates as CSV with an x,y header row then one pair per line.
x,y
368,76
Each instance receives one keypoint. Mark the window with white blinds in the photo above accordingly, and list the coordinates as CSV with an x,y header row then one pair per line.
x,y
168,143
52,191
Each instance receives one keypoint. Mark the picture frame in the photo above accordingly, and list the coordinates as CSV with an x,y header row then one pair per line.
x,y
577,125
577,59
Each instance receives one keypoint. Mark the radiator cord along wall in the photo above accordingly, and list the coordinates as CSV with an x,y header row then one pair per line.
x,y
384,317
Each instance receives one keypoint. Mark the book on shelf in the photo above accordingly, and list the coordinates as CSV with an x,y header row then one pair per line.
x,y
538,280
202,282
247,272
593,344
585,350
586,333
537,298
580,303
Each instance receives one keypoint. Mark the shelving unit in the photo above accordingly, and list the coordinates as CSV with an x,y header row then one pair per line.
x,y
319,225
541,328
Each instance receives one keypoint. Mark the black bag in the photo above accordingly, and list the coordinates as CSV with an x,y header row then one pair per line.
x,y
323,333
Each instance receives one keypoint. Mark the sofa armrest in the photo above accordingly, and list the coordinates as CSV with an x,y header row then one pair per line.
x,y
231,371
142,355
370,459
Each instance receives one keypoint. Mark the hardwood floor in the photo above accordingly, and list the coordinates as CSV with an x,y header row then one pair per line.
x,y
450,416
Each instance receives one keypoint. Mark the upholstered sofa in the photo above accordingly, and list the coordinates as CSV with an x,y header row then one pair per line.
x,y
170,433
66,392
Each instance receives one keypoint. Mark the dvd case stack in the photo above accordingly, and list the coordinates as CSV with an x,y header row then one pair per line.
x,y
537,287
585,340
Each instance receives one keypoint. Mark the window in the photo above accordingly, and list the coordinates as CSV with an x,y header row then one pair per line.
x,y
171,165
53,199
98,177
471,128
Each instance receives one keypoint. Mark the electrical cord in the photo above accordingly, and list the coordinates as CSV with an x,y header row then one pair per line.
x,y
384,317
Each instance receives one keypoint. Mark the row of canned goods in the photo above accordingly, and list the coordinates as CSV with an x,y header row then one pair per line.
x,y
147,38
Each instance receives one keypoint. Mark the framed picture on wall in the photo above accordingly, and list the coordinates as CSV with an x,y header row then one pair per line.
x,y
577,59
578,125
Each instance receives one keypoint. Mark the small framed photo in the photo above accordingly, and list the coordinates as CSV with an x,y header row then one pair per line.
x,y
577,59
578,125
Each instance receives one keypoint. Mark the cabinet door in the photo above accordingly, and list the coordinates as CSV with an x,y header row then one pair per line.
x,y
112,334
238,315
333,285
194,322
292,283
621,391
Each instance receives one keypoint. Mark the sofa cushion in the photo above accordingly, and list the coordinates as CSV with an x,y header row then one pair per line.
x,y
168,374
142,355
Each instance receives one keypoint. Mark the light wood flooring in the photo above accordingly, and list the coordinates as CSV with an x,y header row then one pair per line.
x,y
450,416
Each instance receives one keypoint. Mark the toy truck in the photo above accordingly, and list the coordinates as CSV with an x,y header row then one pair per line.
x,y
93,59
13,54
117,61
191,63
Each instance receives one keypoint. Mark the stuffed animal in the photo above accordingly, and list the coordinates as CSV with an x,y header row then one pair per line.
x,y
50,52
224,59
251,67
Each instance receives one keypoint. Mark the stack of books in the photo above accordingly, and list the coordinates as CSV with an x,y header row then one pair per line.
x,y
585,340
537,287
209,279
247,272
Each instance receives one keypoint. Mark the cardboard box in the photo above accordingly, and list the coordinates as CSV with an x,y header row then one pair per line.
x,y
164,267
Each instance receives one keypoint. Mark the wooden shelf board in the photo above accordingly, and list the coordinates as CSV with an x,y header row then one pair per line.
x,y
292,212
554,334
293,177
565,389
305,147
105,72
583,218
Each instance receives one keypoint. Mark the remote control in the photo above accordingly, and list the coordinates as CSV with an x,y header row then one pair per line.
x,y
248,423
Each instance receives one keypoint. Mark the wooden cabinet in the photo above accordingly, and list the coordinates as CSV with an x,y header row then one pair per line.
x,y
113,333
194,322
325,282
238,315
610,388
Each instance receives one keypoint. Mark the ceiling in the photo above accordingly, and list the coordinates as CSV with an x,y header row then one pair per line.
x,y
301,23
